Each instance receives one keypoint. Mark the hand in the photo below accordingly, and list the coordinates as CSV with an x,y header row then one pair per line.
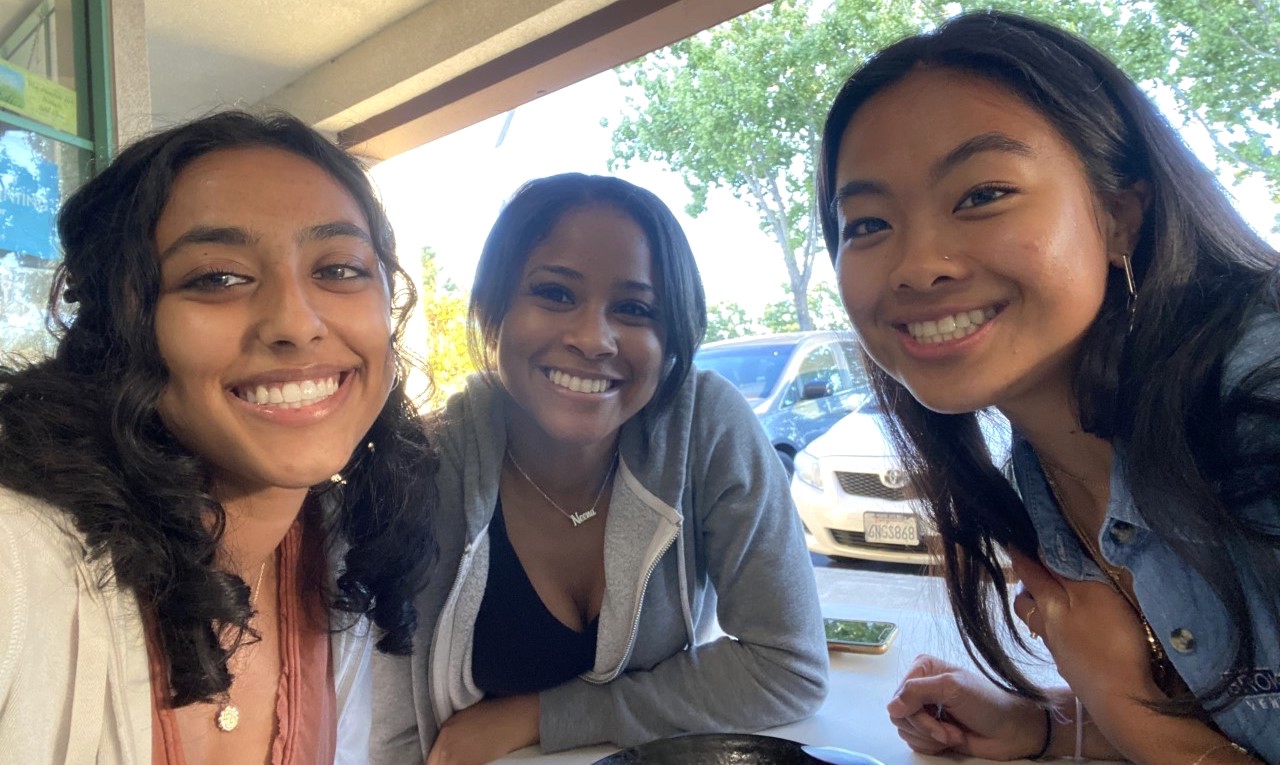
x,y
486,731
977,719
1096,640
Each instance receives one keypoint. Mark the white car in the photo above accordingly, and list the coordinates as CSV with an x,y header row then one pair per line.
x,y
855,499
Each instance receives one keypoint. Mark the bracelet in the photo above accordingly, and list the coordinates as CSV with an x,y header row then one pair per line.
x,y
1048,736
1216,747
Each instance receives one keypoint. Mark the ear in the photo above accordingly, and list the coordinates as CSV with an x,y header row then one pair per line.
x,y
1126,211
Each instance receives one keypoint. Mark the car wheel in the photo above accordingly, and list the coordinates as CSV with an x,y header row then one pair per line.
x,y
788,463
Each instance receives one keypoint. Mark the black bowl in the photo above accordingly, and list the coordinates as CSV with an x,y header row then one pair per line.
x,y
713,749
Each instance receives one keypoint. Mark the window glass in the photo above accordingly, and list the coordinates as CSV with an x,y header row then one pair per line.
x,y
37,62
820,374
36,174
754,369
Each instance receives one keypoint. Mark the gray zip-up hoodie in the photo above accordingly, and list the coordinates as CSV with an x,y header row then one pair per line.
x,y
710,619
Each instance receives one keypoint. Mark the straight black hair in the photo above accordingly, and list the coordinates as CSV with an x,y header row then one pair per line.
x,y
529,218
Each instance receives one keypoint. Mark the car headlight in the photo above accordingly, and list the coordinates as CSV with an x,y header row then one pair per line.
x,y
809,469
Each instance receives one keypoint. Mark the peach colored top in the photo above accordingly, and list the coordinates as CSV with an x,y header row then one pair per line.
x,y
306,704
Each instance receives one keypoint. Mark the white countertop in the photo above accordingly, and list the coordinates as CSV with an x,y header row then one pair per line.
x,y
853,715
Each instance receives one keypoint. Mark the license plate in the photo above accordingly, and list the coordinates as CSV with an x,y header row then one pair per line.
x,y
890,529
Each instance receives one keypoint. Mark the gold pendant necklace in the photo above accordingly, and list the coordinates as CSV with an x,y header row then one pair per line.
x,y
229,714
577,518
1160,664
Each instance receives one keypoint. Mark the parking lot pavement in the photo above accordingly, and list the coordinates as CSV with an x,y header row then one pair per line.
x,y
880,585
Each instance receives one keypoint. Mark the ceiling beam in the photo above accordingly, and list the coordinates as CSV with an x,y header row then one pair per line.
x,y
600,38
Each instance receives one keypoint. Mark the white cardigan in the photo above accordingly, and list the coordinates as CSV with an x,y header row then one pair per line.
x,y
75,685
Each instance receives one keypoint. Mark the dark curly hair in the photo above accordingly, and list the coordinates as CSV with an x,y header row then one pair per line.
x,y
1152,381
82,431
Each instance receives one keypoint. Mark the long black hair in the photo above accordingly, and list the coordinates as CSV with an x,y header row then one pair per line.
x,y
1153,381
530,216
82,431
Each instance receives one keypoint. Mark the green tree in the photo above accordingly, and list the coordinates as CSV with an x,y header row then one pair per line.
x,y
727,320
741,107
444,310
825,309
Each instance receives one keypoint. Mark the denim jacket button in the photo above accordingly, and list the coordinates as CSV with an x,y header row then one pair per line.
x,y
1182,640
1121,532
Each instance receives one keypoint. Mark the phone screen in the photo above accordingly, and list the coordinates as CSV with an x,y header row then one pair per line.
x,y
859,632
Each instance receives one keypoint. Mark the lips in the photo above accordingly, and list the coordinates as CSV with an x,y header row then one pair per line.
x,y
950,327
294,394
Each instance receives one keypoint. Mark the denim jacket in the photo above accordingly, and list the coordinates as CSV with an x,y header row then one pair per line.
x,y
1184,612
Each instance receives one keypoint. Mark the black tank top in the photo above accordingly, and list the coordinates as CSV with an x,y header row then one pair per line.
x,y
519,646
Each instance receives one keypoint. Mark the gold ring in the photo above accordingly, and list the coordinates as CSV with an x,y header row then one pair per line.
x,y
1034,636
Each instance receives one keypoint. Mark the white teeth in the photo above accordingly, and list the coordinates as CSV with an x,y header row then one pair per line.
x,y
291,395
577,384
953,327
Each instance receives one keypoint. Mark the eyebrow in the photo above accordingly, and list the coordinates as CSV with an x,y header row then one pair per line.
x,y
630,285
998,142
965,151
228,235
234,236
333,230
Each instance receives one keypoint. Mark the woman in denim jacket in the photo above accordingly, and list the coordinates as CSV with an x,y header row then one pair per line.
x,y
1015,226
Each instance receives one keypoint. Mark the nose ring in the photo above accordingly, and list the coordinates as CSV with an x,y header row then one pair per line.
x,y
946,257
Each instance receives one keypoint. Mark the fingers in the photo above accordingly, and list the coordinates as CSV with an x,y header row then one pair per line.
x,y
916,709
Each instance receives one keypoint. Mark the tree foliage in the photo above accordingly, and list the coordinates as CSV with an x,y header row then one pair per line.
x,y
444,309
825,310
728,320
741,106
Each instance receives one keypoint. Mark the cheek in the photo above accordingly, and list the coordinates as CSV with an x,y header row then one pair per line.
x,y
857,288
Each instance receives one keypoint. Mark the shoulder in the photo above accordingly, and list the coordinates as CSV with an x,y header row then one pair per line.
x,y
37,533
476,411
41,557
707,403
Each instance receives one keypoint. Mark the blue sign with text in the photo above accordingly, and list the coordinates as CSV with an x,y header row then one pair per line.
x,y
28,198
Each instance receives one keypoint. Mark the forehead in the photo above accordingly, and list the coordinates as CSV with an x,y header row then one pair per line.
x,y
259,184
597,235
918,119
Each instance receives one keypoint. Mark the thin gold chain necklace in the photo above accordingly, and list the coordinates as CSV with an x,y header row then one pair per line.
x,y
1160,665
229,714
577,518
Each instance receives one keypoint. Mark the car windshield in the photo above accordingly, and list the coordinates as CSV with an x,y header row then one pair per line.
x,y
754,369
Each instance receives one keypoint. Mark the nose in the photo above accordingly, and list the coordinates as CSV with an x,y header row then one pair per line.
x,y
288,314
590,333
925,261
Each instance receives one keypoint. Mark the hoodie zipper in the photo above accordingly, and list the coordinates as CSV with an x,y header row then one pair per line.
x,y
635,624
440,688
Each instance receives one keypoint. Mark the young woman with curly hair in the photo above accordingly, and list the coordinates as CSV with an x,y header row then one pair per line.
x,y
216,483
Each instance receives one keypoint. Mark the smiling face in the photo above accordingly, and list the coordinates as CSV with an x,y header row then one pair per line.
x,y
973,253
274,319
580,349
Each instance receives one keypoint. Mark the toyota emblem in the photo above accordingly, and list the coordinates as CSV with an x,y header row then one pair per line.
x,y
894,478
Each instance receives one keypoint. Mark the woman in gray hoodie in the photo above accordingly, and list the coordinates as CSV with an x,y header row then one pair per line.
x,y
618,555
